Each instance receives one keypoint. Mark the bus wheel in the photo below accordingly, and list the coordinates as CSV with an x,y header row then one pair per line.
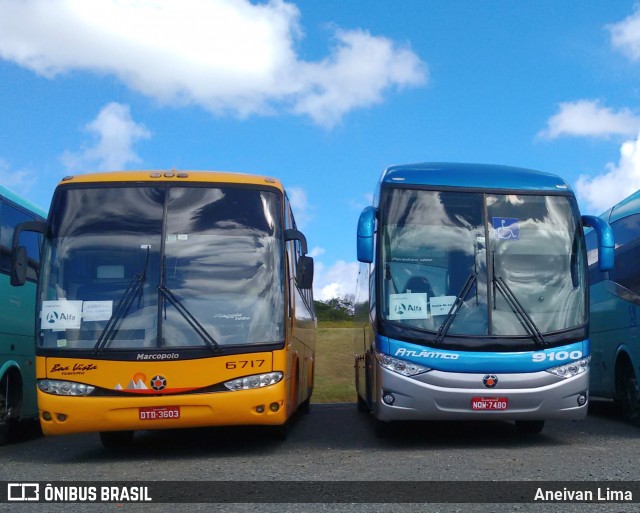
x,y
384,429
4,422
116,439
529,427
363,407
281,432
9,417
629,397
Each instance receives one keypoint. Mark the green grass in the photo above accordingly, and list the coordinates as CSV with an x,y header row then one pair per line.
x,y
334,380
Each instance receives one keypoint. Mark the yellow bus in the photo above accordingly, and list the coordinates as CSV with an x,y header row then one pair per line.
x,y
170,299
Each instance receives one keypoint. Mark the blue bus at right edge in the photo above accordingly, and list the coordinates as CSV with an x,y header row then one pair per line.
x,y
615,311
472,296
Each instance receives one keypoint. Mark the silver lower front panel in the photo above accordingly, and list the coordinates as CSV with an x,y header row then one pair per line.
x,y
437,395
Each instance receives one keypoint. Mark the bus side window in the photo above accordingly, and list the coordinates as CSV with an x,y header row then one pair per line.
x,y
627,254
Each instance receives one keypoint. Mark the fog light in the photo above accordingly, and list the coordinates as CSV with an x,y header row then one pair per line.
x,y
46,415
388,398
61,417
260,409
582,399
274,407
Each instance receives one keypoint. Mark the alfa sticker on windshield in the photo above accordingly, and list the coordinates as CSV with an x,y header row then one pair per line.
x,y
408,306
441,305
61,315
506,228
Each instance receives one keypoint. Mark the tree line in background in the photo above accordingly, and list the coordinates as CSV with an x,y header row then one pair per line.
x,y
336,309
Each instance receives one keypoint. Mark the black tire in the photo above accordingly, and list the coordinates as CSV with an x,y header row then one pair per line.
x,y
4,423
4,432
305,407
281,432
9,422
529,427
363,407
628,394
116,439
384,429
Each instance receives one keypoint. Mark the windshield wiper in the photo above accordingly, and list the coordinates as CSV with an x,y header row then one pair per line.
x,y
515,305
517,308
188,316
135,286
466,288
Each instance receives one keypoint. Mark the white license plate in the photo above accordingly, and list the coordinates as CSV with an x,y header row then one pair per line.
x,y
489,403
159,412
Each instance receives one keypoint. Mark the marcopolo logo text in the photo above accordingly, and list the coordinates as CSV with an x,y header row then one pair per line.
x,y
158,356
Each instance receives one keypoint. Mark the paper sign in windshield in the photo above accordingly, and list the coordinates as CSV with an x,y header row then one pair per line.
x,y
97,310
441,305
506,228
61,315
408,306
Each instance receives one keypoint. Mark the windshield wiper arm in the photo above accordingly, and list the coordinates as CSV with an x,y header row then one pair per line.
x,y
123,305
188,316
444,327
517,308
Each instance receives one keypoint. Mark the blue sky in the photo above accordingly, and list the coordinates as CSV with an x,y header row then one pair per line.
x,y
321,94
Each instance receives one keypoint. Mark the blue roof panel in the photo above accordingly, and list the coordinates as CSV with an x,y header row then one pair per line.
x,y
18,200
486,176
626,207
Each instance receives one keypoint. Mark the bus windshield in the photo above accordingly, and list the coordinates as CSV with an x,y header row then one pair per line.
x,y
148,266
496,265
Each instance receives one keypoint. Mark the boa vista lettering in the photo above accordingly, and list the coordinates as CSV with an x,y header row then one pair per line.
x,y
76,367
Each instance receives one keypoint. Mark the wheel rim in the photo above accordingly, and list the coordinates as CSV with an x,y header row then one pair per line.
x,y
631,395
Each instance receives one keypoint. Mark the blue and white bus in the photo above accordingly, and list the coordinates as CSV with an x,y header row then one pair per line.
x,y
472,294
17,312
615,311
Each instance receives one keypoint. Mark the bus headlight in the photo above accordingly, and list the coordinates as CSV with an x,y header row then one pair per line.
x,y
400,366
255,381
568,370
52,386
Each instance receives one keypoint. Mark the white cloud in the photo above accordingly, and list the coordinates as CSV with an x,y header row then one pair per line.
x,y
362,201
224,55
302,210
616,183
19,181
360,69
337,280
625,35
115,132
587,118
316,252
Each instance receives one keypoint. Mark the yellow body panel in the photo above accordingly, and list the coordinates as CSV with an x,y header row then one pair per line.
x,y
71,414
174,175
90,414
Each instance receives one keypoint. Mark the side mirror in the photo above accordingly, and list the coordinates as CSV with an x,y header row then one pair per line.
x,y
19,260
304,272
606,243
292,234
19,265
366,229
